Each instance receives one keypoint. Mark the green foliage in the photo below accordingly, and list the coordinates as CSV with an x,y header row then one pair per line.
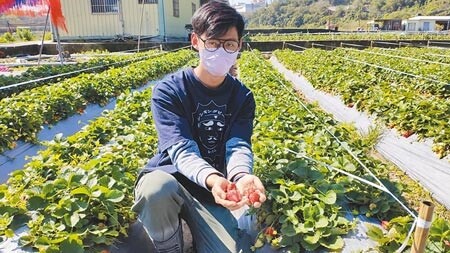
x,y
25,34
94,65
48,36
7,37
306,201
76,195
22,116
391,236
406,103
346,36
316,13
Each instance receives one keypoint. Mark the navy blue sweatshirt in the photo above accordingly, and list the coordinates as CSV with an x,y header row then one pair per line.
x,y
202,131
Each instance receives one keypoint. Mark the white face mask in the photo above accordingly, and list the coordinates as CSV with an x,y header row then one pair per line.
x,y
219,62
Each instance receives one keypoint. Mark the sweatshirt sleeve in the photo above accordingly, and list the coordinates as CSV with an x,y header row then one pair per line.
x,y
239,158
238,151
186,157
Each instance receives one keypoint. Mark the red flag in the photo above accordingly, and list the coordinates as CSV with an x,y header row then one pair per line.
x,y
56,14
6,4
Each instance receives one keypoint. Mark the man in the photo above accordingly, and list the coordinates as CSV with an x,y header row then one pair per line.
x,y
204,119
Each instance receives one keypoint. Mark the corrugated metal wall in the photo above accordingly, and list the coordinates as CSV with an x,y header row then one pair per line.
x,y
82,23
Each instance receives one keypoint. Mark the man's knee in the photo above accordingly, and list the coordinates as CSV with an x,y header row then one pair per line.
x,y
156,186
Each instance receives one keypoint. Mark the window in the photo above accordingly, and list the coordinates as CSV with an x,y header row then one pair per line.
x,y
194,8
148,1
411,26
176,8
104,6
426,26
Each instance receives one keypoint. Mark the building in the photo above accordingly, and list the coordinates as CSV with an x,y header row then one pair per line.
x,y
385,25
426,23
122,19
247,8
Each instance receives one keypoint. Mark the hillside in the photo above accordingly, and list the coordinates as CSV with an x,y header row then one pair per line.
x,y
344,13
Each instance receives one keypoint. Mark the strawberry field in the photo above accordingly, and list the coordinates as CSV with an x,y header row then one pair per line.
x,y
75,196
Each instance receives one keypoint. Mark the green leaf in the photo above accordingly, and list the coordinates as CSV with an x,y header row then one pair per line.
x,y
349,167
19,221
71,246
115,196
329,198
312,239
288,229
9,233
35,203
81,190
72,220
301,229
296,196
322,222
375,233
332,242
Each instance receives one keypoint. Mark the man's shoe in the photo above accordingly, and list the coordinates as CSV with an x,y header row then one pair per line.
x,y
136,242
172,245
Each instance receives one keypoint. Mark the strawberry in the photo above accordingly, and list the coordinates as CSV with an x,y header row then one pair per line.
x,y
270,231
253,197
407,133
232,193
231,186
385,224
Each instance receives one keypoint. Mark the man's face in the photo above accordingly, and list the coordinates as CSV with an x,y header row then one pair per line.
x,y
230,35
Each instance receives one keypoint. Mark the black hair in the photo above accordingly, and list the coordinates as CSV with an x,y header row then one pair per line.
x,y
215,18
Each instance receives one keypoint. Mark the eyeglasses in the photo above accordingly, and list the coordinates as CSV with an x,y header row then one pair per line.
x,y
230,46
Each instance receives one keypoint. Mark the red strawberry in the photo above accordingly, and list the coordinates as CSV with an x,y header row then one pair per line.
x,y
270,231
407,133
253,197
231,186
385,224
232,193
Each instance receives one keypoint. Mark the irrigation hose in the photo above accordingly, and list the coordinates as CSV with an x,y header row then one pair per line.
x,y
91,68
380,186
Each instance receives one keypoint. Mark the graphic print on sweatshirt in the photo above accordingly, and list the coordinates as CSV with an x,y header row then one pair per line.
x,y
210,121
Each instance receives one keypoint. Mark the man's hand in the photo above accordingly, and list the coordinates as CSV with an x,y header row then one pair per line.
x,y
251,187
218,186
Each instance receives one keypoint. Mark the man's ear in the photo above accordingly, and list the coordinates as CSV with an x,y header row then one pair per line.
x,y
194,40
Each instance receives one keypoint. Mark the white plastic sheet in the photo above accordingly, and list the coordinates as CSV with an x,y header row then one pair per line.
x,y
411,155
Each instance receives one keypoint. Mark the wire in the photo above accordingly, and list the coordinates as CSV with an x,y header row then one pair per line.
x,y
383,42
9,158
69,73
398,56
380,186
86,69
394,70
293,45
354,45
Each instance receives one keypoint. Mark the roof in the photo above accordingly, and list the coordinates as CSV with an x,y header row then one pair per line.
x,y
383,20
437,18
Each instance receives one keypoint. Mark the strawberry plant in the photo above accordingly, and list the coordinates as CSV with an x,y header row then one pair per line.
x,y
409,104
297,188
94,65
76,195
22,116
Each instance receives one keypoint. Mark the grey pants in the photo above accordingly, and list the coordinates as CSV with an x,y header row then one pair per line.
x,y
161,201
